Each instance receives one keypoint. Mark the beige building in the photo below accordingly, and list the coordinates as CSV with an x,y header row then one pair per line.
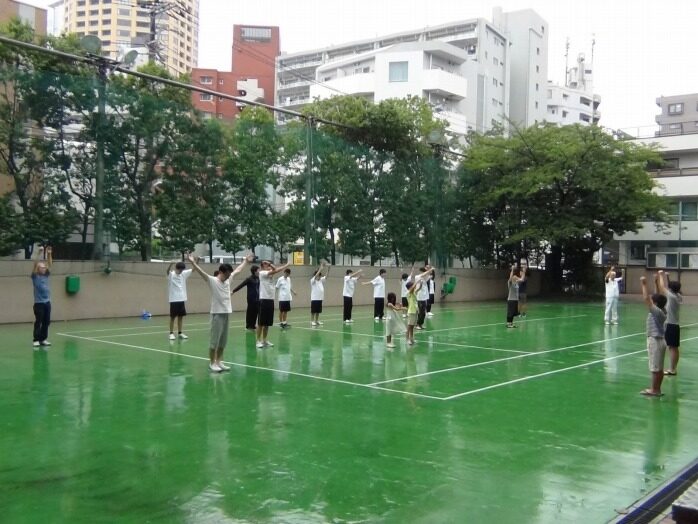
x,y
34,16
125,24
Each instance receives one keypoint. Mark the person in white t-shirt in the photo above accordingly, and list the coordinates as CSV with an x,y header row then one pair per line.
x,y
422,295
286,294
267,291
221,308
177,295
378,284
317,293
432,292
350,279
612,294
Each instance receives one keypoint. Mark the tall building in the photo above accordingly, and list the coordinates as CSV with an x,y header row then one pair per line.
x,y
528,64
126,24
471,56
252,76
34,16
676,247
575,102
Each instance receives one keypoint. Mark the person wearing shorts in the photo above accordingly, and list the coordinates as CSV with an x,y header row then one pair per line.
x,y
285,289
317,293
671,289
656,346
412,290
221,308
177,295
515,279
267,291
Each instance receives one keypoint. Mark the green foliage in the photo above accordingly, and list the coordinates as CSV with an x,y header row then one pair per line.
x,y
569,188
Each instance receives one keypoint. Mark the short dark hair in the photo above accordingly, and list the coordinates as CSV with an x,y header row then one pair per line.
x,y
349,272
405,276
287,271
225,268
254,269
409,285
659,300
674,286
180,265
382,272
392,298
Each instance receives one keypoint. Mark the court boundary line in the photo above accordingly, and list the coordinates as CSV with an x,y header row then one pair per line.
x,y
503,323
259,368
552,372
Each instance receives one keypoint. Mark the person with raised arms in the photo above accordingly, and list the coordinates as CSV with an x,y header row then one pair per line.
x,y
267,270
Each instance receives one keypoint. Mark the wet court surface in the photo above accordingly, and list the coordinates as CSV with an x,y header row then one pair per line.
x,y
476,423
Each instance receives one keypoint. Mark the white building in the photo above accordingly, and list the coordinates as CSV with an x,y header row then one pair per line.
x,y
675,247
575,102
464,68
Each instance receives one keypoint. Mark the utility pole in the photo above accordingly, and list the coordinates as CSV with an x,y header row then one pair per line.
x,y
156,8
309,193
98,247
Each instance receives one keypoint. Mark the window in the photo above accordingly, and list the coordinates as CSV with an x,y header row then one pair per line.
x,y
142,24
671,163
123,32
397,72
638,250
536,105
81,13
93,33
494,82
220,81
564,114
106,32
495,103
676,109
205,97
94,12
94,22
495,60
123,23
206,115
80,24
550,93
106,43
689,211
206,80
537,50
106,11
537,87
106,21
256,34
537,69
584,117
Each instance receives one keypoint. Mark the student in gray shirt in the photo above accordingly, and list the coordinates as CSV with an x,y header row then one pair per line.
x,y
656,347
671,289
513,297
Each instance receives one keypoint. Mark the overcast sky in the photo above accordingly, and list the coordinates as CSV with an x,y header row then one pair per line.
x,y
644,48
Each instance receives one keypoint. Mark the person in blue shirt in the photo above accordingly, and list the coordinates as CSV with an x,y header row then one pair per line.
x,y
42,297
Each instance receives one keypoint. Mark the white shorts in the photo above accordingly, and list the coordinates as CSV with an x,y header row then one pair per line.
x,y
656,348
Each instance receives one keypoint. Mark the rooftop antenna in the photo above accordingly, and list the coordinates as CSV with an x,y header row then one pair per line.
x,y
567,56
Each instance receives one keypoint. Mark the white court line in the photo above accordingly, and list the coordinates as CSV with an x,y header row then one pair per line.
x,y
428,342
242,322
477,364
503,323
261,368
547,373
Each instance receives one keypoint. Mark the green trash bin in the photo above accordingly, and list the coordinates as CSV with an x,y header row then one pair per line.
x,y
72,284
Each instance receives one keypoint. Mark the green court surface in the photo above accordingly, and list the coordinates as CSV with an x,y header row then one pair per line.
x,y
476,423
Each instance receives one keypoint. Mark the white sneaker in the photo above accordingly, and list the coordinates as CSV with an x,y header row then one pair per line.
x,y
346,321
172,336
45,343
376,319
183,336
268,344
320,323
351,321
313,323
404,316
607,323
260,344
36,344
391,345
223,367
430,314
615,322
215,368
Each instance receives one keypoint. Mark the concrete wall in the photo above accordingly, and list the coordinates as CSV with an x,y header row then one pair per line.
x,y
689,281
135,286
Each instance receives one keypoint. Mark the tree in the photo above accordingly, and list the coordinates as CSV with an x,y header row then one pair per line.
x,y
45,211
146,122
569,188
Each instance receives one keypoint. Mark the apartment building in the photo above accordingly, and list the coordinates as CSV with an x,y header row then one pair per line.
x,y
574,102
473,59
674,248
34,16
126,24
252,76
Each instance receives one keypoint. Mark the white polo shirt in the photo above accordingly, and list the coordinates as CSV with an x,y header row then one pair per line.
x,y
317,288
349,286
177,285
266,286
220,295
378,287
423,293
283,284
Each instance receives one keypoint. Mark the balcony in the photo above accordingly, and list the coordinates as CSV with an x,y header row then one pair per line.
x,y
291,102
444,84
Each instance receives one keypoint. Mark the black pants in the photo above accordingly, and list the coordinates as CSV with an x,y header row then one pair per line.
x,y
512,310
252,312
422,313
348,304
378,307
430,302
42,315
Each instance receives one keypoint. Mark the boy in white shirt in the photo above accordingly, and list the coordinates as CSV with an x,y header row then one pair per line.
x,y
317,293
177,295
221,308
378,284
266,301
348,293
422,295
283,285
612,294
